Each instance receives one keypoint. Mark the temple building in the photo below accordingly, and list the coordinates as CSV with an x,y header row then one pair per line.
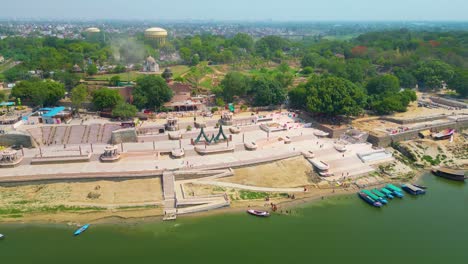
x,y
150,65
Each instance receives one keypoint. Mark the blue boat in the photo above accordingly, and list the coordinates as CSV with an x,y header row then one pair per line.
x,y
395,190
411,189
80,230
387,193
369,200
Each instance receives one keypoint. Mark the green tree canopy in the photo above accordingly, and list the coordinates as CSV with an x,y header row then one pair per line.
x,y
124,110
266,90
105,98
234,84
431,74
329,95
459,82
79,95
114,80
38,92
151,92
92,69
383,84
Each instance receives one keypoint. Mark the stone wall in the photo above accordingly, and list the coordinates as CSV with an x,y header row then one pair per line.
x,y
385,141
334,132
414,120
17,138
124,135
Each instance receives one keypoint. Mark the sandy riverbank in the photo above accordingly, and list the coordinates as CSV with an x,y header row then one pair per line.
x,y
140,200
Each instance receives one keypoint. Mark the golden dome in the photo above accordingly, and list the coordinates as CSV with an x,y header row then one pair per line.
x,y
92,30
155,32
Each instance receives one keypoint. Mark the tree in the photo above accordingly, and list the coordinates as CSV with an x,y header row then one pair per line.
x,y
394,102
407,79
330,95
459,82
105,98
431,74
92,69
151,92
307,70
243,41
114,80
124,110
39,92
196,74
271,46
298,97
234,84
310,60
220,102
3,96
79,94
383,84
267,91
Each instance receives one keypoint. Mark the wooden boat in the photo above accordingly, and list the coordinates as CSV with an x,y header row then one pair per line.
x,y
80,230
413,190
445,134
420,186
258,213
456,175
319,133
369,200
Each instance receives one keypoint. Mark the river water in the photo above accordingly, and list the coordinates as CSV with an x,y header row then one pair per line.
x,y
426,229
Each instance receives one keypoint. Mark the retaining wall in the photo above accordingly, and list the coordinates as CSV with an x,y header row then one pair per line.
x,y
124,135
17,138
385,141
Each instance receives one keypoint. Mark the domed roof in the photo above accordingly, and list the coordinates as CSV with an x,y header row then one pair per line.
x,y
92,30
150,59
155,31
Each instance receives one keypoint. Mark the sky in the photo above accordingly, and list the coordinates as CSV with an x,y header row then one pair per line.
x,y
249,10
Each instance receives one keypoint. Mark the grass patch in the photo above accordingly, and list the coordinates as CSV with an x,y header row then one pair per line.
x,y
248,195
47,209
430,160
219,189
137,207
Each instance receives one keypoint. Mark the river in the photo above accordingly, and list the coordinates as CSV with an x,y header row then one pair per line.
x,y
426,229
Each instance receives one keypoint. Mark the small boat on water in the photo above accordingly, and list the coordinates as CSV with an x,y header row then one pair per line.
x,y
420,186
380,194
2,236
395,190
387,193
445,134
375,197
258,213
456,175
369,200
80,230
411,189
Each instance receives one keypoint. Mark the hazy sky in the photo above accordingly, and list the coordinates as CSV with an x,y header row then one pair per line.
x,y
277,10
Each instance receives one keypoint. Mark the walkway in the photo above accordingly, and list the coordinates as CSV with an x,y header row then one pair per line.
x,y
250,188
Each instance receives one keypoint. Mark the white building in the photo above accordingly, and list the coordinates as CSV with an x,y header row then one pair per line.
x,y
150,65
